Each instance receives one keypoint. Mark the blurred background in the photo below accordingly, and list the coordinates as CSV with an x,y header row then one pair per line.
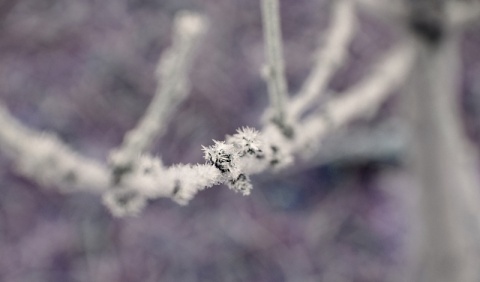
x,y
84,70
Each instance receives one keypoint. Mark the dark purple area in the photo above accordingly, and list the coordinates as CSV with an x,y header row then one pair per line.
x,y
84,70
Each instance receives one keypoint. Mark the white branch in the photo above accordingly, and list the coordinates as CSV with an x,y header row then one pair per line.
x,y
45,159
172,75
230,162
274,71
329,57
48,161
359,100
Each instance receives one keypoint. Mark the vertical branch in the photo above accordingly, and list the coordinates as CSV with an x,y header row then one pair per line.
x,y
172,75
275,70
442,162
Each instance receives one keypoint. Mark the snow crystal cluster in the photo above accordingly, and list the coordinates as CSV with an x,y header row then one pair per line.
x,y
242,154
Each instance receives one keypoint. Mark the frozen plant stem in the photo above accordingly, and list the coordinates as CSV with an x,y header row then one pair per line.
x,y
329,56
274,69
173,86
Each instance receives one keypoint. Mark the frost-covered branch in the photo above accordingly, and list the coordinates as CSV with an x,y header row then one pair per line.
x,y
228,162
138,177
360,99
149,179
173,86
329,57
45,159
274,71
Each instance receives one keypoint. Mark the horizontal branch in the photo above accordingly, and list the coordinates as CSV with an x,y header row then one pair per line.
x,y
48,161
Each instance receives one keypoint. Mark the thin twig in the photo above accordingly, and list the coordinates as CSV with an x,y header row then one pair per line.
x,y
173,85
274,70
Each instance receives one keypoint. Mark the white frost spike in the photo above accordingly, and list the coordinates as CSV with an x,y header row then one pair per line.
x,y
221,155
231,159
247,141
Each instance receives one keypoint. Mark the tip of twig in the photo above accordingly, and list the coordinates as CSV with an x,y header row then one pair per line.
x,y
190,23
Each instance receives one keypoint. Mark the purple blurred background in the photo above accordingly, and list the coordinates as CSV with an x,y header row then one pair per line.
x,y
84,70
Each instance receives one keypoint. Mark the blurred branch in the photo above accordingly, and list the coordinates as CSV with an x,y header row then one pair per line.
x,y
138,177
45,159
442,160
382,142
49,161
172,71
360,99
329,57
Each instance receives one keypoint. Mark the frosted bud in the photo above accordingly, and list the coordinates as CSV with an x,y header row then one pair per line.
x,y
247,142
